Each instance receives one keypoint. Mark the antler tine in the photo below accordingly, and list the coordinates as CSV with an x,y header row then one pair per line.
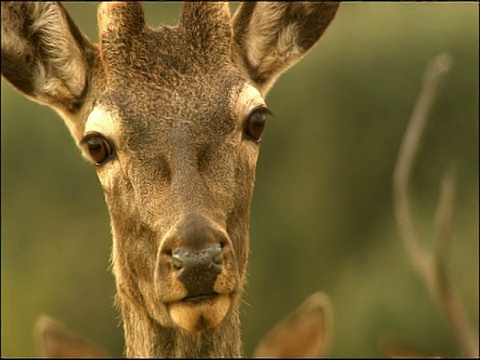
x,y
208,25
119,23
120,20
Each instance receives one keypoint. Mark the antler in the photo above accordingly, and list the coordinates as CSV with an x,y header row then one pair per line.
x,y
119,23
120,20
431,266
208,25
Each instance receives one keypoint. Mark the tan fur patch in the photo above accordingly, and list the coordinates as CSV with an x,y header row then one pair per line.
x,y
200,316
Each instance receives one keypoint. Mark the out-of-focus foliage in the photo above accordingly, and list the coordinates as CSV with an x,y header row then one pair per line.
x,y
322,211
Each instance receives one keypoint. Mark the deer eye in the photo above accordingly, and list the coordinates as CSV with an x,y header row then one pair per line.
x,y
255,123
98,147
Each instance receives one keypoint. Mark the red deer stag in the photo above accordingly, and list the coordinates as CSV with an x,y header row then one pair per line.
x,y
171,117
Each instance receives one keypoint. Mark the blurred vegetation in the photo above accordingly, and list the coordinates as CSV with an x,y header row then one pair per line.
x,y
322,211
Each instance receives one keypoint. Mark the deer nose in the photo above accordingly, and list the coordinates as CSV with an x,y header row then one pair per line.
x,y
198,269
195,261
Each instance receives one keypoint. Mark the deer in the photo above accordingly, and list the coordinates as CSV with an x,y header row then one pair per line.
x,y
171,118
308,330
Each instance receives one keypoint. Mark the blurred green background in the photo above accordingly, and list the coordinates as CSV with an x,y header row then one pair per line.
x,y
322,214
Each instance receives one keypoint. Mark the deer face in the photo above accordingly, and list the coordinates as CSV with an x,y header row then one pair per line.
x,y
172,118
175,139
178,174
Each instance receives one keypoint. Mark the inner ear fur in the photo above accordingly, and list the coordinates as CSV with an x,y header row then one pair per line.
x,y
44,55
269,37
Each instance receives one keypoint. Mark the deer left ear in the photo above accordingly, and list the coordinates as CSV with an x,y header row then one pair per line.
x,y
55,340
44,55
269,37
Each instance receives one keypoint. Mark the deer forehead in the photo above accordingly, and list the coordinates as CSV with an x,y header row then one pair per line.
x,y
176,113
157,143
157,135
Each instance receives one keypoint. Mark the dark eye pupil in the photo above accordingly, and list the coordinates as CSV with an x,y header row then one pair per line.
x,y
98,149
256,125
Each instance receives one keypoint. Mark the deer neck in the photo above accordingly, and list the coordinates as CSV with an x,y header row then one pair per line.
x,y
146,338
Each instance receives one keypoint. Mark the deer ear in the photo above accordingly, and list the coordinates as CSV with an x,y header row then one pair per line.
x,y
269,37
306,332
44,55
55,340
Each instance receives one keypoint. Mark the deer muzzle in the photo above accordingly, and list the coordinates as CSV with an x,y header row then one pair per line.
x,y
196,274
198,270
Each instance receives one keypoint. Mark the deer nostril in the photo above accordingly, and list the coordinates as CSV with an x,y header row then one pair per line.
x,y
218,258
177,263
184,257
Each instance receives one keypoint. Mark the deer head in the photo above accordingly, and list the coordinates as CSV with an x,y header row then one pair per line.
x,y
171,118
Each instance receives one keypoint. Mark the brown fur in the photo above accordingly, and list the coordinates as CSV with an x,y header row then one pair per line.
x,y
177,98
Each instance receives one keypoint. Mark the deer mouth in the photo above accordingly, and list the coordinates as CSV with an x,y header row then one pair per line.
x,y
199,298
200,312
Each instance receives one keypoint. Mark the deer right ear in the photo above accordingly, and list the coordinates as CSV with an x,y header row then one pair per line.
x,y
306,332
269,37
44,55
